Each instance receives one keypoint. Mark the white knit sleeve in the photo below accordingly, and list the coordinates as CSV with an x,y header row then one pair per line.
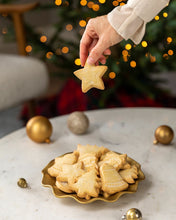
x,y
130,20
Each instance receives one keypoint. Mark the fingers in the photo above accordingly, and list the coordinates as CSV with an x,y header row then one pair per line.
x,y
103,57
107,52
96,52
84,47
95,42
102,60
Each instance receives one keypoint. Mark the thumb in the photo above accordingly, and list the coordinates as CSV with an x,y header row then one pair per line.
x,y
96,52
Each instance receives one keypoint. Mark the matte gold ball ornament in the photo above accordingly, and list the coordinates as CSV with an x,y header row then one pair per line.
x,y
164,135
78,122
39,129
133,214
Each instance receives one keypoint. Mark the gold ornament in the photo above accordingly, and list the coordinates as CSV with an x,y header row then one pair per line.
x,y
78,122
133,214
22,183
39,129
164,135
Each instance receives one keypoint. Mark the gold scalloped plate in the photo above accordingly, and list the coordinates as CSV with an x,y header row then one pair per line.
x,y
49,181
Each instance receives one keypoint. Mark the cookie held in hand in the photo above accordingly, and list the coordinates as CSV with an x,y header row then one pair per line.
x,y
91,76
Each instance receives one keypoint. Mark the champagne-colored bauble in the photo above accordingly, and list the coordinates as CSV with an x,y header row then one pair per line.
x,y
39,129
22,183
134,214
164,135
78,122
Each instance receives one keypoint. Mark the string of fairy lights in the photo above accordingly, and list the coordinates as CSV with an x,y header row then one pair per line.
x,y
82,24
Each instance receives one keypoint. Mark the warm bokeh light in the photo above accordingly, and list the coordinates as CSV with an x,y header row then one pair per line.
x,y
133,64
128,46
90,4
125,58
83,2
112,75
157,18
125,53
169,40
115,3
165,56
121,4
4,30
58,2
65,3
144,43
82,23
69,27
165,14
43,38
65,49
78,62
170,52
28,48
49,55
152,59
102,1
95,7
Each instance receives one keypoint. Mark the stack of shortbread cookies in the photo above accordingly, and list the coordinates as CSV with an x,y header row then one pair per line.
x,y
91,171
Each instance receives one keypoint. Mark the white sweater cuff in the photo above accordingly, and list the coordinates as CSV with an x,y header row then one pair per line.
x,y
147,9
127,24
130,20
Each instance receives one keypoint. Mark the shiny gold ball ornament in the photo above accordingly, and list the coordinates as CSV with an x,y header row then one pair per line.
x,y
133,214
164,135
78,122
22,183
39,129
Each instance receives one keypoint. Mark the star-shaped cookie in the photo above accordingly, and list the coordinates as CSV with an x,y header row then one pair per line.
x,y
91,77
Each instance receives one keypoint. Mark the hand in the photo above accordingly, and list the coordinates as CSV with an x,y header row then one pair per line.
x,y
96,41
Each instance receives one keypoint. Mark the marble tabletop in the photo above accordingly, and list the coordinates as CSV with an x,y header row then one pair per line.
x,y
125,130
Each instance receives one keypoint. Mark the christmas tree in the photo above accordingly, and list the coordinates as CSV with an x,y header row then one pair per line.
x,y
130,67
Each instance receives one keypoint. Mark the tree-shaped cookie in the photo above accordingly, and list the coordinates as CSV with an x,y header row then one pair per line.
x,y
88,185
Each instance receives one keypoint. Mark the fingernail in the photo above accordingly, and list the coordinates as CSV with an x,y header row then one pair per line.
x,y
107,53
103,61
90,60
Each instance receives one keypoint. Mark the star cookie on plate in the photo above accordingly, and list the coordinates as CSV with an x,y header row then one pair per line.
x,y
91,76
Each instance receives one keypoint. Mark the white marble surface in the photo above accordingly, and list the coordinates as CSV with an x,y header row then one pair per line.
x,y
129,130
